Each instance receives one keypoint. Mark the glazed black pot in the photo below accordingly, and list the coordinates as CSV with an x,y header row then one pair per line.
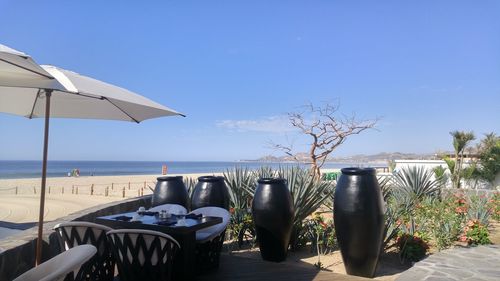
x,y
170,190
359,220
272,211
210,191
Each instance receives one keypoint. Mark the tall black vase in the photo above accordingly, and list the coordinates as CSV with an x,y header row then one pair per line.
x,y
272,211
170,190
210,191
359,220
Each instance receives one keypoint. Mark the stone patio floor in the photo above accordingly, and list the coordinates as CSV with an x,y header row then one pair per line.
x,y
467,263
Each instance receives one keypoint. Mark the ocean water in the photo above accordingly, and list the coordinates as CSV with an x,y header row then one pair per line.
x,y
32,169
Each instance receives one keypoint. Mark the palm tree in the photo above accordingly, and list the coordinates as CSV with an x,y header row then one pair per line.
x,y
461,140
489,157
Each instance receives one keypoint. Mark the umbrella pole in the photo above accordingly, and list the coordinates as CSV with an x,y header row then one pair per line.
x,y
39,241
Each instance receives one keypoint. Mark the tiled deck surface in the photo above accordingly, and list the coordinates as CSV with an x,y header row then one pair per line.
x,y
243,269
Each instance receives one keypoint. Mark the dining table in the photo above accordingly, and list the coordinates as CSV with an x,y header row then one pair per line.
x,y
183,230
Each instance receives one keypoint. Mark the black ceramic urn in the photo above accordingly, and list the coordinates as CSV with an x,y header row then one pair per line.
x,y
210,191
170,190
272,211
359,220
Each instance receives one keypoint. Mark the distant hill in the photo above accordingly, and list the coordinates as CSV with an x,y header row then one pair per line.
x,y
382,157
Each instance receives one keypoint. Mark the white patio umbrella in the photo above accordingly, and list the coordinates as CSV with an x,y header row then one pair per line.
x,y
74,96
19,69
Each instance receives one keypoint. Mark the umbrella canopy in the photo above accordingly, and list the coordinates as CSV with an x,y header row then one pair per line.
x,y
18,69
66,94
81,97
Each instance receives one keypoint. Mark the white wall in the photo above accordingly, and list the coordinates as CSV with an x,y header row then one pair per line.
x,y
431,164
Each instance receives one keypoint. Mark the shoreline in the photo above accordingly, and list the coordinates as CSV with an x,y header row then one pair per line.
x,y
10,170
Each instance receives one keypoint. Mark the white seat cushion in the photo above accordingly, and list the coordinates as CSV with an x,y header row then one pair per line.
x,y
203,236
170,208
59,266
211,232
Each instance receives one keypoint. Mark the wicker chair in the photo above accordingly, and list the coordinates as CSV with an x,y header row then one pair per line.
x,y
209,240
143,254
64,266
170,208
72,234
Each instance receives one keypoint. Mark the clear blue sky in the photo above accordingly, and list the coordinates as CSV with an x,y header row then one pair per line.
x,y
235,68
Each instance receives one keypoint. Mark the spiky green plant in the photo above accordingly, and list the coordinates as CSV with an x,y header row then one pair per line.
x,y
241,184
265,172
392,212
190,183
479,209
385,184
415,183
392,223
411,185
308,194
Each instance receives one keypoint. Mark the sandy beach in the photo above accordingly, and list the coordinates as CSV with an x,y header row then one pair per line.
x,y
19,198
68,194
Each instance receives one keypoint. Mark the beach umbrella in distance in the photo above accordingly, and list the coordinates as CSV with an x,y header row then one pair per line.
x,y
75,96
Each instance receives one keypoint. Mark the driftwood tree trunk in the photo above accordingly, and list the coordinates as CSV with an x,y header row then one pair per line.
x,y
326,130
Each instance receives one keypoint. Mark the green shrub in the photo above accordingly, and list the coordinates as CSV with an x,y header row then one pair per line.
x,y
494,206
322,236
412,247
441,219
475,233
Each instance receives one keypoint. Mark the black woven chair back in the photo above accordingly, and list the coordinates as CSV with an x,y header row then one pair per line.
x,y
102,266
208,249
143,254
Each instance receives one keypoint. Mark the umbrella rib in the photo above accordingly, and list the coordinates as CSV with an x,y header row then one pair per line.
x,y
104,98
121,110
88,96
34,103
25,68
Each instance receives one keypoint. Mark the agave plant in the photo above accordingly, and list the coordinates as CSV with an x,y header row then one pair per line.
x,y
265,172
415,183
392,226
392,211
190,183
385,184
308,195
241,184
410,186
479,209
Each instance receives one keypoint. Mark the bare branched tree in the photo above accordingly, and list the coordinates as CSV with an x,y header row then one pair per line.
x,y
327,129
